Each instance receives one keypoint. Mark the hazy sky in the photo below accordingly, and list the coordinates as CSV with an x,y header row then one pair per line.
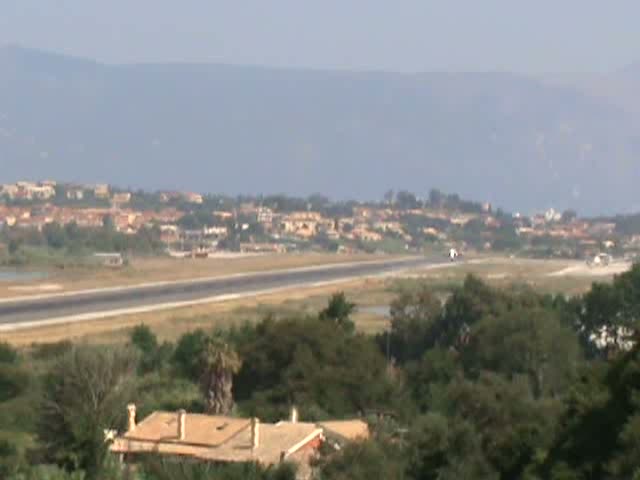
x,y
404,35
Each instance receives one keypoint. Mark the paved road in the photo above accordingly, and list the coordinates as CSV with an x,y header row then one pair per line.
x,y
25,312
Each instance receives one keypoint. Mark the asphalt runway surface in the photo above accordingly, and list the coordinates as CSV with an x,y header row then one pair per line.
x,y
31,311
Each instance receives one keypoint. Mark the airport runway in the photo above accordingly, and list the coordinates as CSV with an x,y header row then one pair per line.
x,y
92,304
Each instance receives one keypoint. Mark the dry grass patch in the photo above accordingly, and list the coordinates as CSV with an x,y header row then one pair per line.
x,y
504,272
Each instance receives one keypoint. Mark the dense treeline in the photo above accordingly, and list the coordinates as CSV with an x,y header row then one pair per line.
x,y
55,242
475,383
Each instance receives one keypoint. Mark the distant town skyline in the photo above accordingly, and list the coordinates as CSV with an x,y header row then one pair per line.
x,y
416,35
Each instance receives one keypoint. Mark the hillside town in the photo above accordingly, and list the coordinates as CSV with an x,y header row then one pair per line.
x,y
191,224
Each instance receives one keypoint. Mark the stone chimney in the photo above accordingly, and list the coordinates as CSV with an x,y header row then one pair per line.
x,y
255,433
182,424
293,417
131,417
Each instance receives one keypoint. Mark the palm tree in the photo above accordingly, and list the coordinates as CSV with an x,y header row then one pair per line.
x,y
219,362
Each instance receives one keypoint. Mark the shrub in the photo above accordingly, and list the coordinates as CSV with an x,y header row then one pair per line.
x,y
8,354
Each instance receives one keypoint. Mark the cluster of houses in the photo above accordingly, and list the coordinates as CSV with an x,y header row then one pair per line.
x,y
48,189
588,234
366,224
44,190
124,220
263,229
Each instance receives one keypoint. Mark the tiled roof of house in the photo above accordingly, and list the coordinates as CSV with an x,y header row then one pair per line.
x,y
201,430
346,429
277,441
216,438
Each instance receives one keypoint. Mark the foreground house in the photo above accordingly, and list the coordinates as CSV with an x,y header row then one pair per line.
x,y
220,439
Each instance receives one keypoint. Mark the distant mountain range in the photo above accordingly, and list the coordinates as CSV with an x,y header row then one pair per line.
x,y
524,143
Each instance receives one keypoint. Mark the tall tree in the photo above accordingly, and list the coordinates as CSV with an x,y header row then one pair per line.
x,y
314,365
84,393
413,316
407,200
529,342
610,315
510,425
187,356
441,449
599,433
339,311
219,363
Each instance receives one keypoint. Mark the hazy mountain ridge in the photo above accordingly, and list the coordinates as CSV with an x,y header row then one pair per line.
x,y
513,140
